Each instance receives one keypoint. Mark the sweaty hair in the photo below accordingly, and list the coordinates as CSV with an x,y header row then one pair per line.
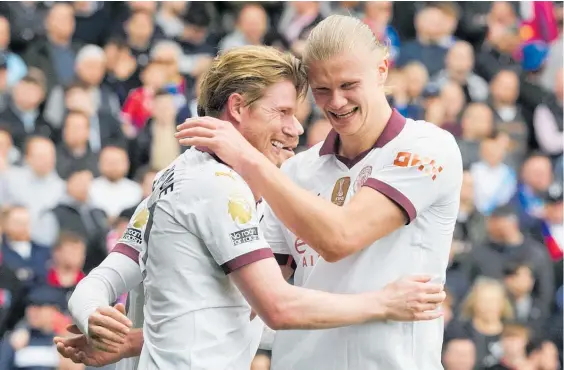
x,y
339,34
247,70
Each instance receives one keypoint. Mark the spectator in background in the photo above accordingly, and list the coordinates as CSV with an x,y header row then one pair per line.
x,y
76,214
56,54
12,294
105,129
90,68
495,182
477,125
470,223
27,259
453,100
514,341
168,55
536,178
519,282
551,229
459,354
140,32
459,65
36,185
484,312
504,91
138,106
26,23
16,67
197,51
169,18
434,25
416,77
250,29
92,19
74,152
297,21
507,244
156,144
121,68
502,40
112,192
317,132
65,272
22,115
20,349
377,15
548,121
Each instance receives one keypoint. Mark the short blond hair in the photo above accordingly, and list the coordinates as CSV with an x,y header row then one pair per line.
x,y
339,34
247,70
468,307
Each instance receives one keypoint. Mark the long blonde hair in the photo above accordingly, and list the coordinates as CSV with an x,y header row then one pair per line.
x,y
469,305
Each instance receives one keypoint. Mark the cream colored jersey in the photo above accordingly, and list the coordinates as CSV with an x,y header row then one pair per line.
x,y
202,224
418,166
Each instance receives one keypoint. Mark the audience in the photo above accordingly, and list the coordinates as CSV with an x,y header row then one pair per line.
x,y
91,93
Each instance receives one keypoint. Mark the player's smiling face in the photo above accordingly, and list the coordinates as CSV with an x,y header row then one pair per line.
x,y
270,125
346,88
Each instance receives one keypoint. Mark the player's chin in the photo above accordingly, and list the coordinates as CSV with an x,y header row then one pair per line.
x,y
279,156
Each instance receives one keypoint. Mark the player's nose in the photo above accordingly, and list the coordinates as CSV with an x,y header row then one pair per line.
x,y
294,128
337,102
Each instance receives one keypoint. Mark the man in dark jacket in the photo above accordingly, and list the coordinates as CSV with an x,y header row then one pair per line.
x,y
55,55
507,244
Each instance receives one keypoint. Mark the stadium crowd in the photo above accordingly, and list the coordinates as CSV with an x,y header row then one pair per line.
x,y
91,93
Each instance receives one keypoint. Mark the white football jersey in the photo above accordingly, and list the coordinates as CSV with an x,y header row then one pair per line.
x,y
203,224
418,166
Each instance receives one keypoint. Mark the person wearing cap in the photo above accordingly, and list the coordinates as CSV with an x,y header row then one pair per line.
x,y
31,344
506,243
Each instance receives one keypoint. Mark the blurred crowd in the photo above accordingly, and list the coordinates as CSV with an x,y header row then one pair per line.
x,y
91,93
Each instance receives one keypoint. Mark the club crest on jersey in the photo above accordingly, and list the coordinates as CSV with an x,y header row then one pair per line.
x,y
362,177
239,209
340,191
141,219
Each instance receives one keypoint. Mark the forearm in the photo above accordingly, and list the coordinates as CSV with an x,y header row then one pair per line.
x,y
310,309
116,275
318,223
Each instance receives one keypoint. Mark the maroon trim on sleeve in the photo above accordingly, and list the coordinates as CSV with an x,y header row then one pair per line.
x,y
395,195
128,251
246,259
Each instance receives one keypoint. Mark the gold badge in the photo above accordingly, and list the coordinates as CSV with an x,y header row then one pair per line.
x,y
239,210
141,218
226,174
340,191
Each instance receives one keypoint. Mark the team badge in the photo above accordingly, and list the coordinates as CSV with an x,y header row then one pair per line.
x,y
340,191
362,177
239,209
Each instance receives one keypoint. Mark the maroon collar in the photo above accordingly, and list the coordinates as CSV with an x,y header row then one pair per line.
x,y
393,127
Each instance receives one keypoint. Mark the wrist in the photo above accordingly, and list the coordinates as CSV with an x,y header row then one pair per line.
x,y
251,164
378,308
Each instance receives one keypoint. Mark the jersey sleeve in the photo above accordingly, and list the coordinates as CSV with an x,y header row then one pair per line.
x,y
225,217
132,241
417,174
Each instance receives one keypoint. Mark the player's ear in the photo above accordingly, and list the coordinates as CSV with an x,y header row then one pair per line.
x,y
383,70
234,107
